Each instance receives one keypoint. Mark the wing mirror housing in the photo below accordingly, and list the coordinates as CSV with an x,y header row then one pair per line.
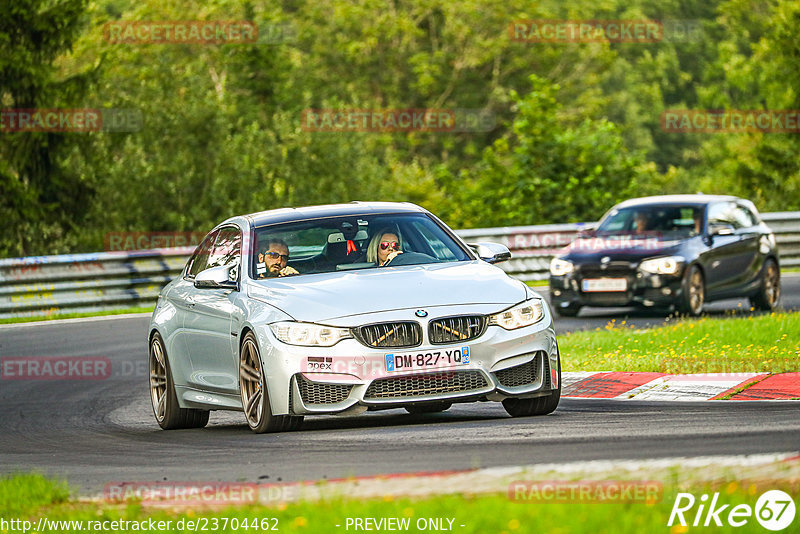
x,y
491,252
721,229
587,230
222,277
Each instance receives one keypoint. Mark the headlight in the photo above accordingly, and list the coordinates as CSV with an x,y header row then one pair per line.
x,y
309,334
524,314
561,267
665,265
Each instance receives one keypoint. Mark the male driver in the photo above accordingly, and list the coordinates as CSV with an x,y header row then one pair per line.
x,y
272,262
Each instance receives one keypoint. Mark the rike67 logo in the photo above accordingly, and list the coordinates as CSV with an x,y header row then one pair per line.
x,y
774,510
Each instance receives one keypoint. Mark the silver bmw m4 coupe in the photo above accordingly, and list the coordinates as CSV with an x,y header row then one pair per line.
x,y
342,309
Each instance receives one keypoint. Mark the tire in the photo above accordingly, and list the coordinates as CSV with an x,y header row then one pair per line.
x,y
693,294
168,413
570,311
769,292
255,395
432,407
538,405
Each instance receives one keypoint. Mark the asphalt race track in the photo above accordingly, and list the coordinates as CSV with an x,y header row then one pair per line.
x,y
99,431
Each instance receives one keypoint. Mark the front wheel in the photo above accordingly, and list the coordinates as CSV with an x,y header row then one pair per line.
x,y
169,414
694,292
255,395
769,292
538,405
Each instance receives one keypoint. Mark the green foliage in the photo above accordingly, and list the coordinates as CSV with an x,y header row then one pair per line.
x,y
221,132
40,197
543,171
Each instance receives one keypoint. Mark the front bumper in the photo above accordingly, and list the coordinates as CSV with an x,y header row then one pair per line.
x,y
351,378
642,289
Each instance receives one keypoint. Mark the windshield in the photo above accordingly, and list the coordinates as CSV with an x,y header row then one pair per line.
x,y
351,243
683,221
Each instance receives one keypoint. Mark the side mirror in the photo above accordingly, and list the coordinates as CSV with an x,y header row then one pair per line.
x,y
721,229
223,277
587,230
491,252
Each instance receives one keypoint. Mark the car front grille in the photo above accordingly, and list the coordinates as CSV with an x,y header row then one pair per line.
x,y
452,329
316,393
398,334
612,269
520,375
402,387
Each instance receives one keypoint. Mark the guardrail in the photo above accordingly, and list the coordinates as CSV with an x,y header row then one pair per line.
x,y
75,283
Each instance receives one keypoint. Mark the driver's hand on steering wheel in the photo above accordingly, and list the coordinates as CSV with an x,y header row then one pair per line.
x,y
392,255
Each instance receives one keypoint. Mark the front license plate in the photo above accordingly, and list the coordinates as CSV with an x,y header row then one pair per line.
x,y
429,359
605,284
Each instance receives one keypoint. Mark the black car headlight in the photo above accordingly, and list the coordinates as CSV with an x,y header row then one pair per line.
x,y
523,314
663,265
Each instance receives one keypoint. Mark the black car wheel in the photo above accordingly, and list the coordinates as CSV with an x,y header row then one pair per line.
x,y
769,292
694,292
255,396
169,414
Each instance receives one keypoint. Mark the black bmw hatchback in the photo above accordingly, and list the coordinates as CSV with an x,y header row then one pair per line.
x,y
665,251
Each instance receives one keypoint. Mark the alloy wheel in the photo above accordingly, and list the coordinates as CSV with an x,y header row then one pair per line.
x,y
251,381
696,292
772,285
158,379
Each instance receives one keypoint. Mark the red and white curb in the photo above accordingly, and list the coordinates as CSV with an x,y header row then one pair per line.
x,y
690,387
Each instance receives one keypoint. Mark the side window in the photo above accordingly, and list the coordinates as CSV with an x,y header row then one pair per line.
x,y
227,248
723,213
199,260
744,216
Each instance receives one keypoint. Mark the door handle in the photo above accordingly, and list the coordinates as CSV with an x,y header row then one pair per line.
x,y
190,302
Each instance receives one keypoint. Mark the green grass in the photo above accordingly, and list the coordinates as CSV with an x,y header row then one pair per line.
x,y
537,283
762,343
29,497
22,495
13,320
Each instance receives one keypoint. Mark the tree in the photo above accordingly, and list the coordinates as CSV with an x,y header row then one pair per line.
x,y
41,200
546,171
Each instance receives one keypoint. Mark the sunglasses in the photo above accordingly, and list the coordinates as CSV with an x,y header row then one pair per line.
x,y
276,255
393,244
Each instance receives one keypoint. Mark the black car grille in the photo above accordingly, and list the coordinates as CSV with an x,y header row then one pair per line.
x,y
399,334
460,328
614,269
403,387
520,375
316,393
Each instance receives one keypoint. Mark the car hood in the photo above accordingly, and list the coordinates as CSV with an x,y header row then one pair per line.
x,y
327,296
620,248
